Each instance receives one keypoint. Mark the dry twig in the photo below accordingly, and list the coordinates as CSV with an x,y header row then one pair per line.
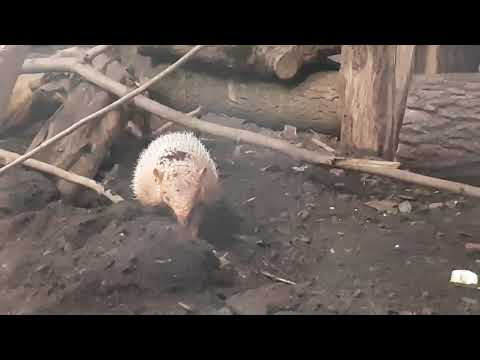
x,y
320,143
8,156
165,126
276,278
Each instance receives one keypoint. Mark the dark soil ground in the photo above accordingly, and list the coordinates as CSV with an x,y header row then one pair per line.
x,y
307,225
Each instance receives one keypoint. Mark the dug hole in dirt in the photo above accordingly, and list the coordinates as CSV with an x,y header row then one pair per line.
x,y
286,239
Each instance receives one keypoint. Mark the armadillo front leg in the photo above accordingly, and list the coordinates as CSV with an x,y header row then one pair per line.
x,y
196,220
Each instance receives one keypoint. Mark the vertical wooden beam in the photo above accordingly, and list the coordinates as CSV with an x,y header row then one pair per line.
x,y
373,87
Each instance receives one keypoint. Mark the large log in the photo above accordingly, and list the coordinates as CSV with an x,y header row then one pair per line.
x,y
281,61
311,104
11,61
373,87
437,59
442,126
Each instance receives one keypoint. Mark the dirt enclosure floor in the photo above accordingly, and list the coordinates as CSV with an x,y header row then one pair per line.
x,y
286,239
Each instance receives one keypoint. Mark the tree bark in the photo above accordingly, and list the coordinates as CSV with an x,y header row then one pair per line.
x,y
11,61
373,88
281,61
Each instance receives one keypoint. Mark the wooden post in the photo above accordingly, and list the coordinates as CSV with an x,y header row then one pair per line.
x,y
373,87
11,61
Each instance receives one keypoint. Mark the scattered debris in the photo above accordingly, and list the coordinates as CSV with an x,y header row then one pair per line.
x,y
464,277
405,207
289,132
304,213
382,205
185,307
469,301
276,278
300,168
451,204
304,239
337,172
407,197
249,200
437,205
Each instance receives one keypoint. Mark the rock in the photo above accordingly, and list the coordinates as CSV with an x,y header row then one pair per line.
x,y
261,301
405,207
437,205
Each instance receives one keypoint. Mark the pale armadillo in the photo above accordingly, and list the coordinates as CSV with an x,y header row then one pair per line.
x,y
177,170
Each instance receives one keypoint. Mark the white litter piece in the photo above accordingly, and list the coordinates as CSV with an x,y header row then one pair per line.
x,y
464,277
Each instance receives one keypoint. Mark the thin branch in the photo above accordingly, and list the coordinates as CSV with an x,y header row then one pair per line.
x,y
123,99
8,156
362,165
95,51
320,143
165,126
276,278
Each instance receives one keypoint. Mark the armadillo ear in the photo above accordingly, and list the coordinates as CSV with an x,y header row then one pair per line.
x,y
158,176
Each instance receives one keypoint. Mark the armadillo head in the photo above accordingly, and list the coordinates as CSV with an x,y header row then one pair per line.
x,y
181,192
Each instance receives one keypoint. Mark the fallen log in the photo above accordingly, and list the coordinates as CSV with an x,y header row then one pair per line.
x,y
311,104
73,65
438,59
442,127
281,61
21,103
83,151
11,60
